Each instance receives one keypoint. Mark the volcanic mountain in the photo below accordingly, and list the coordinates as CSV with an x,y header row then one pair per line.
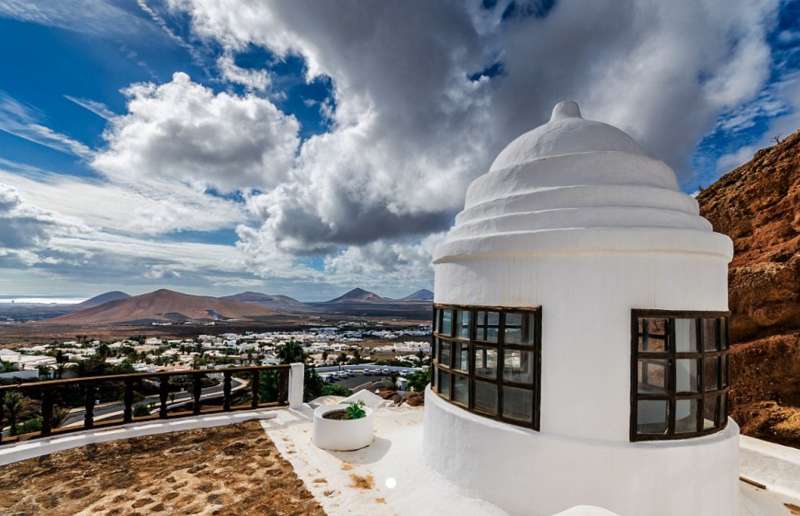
x,y
758,206
420,295
275,302
98,300
359,295
163,305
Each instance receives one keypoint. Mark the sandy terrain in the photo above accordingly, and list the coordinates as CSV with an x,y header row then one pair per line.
x,y
225,470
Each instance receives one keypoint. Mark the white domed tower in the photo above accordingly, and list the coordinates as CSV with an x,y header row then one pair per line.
x,y
581,334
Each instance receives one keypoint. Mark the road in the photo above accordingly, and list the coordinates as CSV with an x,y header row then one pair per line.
x,y
181,397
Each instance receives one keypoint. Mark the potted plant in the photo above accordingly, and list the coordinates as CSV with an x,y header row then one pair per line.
x,y
343,427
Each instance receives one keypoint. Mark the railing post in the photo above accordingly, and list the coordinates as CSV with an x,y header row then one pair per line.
x,y
296,382
88,405
196,385
127,414
163,392
2,413
47,412
254,383
226,391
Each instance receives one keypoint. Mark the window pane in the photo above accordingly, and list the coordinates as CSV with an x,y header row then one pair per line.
x,y
686,375
530,329
652,376
513,319
444,353
518,403
723,332
651,416
437,316
710,369
461,356
685,416
652,335
685,335
492,318
463,324
656,327
518,366
444,384
723,409
708,331
433,380
460,389
447,322
485,362
724,366
486,397
710,408
513,335
491,334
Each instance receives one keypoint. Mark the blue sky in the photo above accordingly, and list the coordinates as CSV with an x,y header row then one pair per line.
x,y
305,149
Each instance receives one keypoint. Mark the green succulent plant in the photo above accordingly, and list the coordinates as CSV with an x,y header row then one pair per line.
x,y
356,410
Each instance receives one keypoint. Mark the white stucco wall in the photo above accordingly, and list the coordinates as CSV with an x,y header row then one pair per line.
x,y
530,473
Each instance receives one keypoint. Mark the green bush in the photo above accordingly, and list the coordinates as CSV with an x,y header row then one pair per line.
x,y
28,426
335,389
141,410
419,379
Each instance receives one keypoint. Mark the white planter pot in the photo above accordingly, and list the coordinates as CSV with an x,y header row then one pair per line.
x,y
342,434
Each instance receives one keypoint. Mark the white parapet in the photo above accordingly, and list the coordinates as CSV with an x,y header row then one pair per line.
x,y
296,384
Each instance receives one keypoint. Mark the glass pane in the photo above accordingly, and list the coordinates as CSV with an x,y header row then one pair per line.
x,y
513,319
685,416
460,389
444,353
485,362
518,366
685,335
435,350
723,332
518,403
652,344
513,335
433,380
491,334
652,335
447,322
710,408
436,318
708,332
461,356
710,369
686,375
492,318
651,416
444,384
486,397
723,408
652,376
724,365
656,327
463,324
530,329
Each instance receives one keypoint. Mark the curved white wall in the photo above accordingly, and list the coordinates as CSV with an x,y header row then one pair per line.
x,y
530,473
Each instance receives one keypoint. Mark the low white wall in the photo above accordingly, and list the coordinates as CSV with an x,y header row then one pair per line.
x,y
10,453
536,474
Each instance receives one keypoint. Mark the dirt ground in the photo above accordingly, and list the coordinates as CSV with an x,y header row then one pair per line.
x,y
232,469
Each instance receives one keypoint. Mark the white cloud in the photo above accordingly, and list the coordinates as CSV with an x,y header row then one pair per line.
x,y
411,130
89,16
23,122
182,132
256,80
98,108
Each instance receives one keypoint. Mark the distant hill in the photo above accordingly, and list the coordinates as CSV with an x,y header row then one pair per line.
x,y
275,302
420,295
163,305
98,300
359,295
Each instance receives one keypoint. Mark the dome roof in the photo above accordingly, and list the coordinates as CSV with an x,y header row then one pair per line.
x,y
570,182
566,133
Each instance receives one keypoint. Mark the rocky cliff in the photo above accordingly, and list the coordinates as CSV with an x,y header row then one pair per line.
x,y
758,206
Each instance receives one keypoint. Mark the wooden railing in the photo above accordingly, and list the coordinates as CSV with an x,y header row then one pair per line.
x,y
48,392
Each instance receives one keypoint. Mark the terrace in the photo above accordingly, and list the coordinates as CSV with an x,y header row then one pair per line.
x,y
217,456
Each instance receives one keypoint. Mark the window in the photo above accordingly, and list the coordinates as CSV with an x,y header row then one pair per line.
x,y
488,361
679,374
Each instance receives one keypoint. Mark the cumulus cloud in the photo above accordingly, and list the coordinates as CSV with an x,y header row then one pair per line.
x,y
183,132
415,121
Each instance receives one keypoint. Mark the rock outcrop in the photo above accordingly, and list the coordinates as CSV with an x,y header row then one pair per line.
x,y
758,206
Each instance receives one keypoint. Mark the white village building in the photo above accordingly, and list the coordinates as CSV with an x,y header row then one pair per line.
x,y
580,334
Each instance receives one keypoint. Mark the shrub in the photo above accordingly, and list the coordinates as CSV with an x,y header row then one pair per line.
x,y
141,410
356,410
335,389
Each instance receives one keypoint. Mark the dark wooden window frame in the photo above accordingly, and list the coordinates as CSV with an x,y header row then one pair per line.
x,y
500,346
671,396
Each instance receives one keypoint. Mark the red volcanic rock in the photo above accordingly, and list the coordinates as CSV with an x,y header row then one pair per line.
x,y
758,206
